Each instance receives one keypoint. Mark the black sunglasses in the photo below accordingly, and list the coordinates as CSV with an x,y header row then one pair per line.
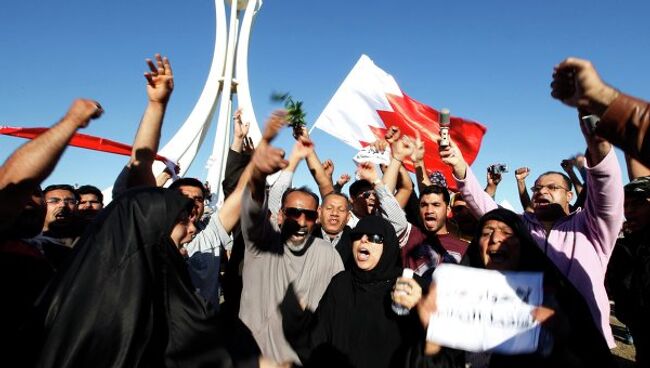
x,y
295,213
366,194
373,238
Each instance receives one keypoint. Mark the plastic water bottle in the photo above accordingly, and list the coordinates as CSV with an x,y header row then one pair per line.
x,y
399,309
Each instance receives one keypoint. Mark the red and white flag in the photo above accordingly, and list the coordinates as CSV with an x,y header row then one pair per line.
x,y
369,101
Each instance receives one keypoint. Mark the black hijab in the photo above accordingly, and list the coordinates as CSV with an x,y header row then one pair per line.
x,y
125,299
354,325
531,258
389,266
577,340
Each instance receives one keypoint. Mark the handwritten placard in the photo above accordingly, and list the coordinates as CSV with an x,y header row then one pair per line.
x,y
482,310
368,154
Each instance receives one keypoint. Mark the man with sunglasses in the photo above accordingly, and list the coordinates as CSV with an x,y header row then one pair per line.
x,y
280,253
579,243
364,201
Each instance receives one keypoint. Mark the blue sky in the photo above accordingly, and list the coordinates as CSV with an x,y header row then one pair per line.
x,y
489,61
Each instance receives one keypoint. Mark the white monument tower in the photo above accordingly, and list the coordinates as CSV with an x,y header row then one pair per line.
x,y
228,76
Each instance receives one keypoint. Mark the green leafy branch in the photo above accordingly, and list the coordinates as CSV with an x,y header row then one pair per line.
x,y
295,113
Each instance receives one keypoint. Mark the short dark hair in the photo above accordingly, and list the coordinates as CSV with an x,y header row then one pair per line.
x,y
89,189
567,180
67,187
359,186
436,189
302,189
342,195
190,182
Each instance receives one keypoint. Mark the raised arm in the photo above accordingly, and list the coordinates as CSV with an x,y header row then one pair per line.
x,y
391,210
401,149
404,187
604,203
35,160
160,83
520,175
255,224
635,169
477,200
493,180
567,166
322,178
625,120
237,160
267,159
418,161
301,149
340,183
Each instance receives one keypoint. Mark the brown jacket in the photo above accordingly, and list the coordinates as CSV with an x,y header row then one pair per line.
x,y
625,123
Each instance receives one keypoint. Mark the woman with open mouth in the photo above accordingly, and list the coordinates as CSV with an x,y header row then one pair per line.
x,y
569,336
354,325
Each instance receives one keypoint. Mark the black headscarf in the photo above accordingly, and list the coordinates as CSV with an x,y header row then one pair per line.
x,y
578,342
125,298
531,258
389,266
354,325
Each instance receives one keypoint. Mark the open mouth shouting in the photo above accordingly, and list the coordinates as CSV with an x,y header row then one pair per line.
x,y
299,235
367,250
541,202
430,221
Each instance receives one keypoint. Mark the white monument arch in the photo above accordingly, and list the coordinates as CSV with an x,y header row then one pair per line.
x,y
228,76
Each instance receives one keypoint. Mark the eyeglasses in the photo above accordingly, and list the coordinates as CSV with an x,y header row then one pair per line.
x,y
366,194
551,187
66,201
295,213
373,238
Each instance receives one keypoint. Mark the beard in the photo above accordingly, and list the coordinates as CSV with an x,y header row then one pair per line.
x,y
294,235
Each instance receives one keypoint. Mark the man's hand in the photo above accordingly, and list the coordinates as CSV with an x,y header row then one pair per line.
x,y
418,150
248,146
567,165
392,134
302,148
402,148
328,167
577,84
451,156
241,127
343,179
267,160
82,111
160,79
493,179
274,124
367,171
379,145
522,173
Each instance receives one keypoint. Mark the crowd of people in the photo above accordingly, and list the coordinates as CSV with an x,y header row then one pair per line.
x,y
280,275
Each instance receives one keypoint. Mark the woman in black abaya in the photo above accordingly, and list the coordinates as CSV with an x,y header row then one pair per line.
x,y
125,298
354,325
570,337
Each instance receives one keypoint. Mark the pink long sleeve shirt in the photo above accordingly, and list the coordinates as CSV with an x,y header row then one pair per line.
x,y
581,243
